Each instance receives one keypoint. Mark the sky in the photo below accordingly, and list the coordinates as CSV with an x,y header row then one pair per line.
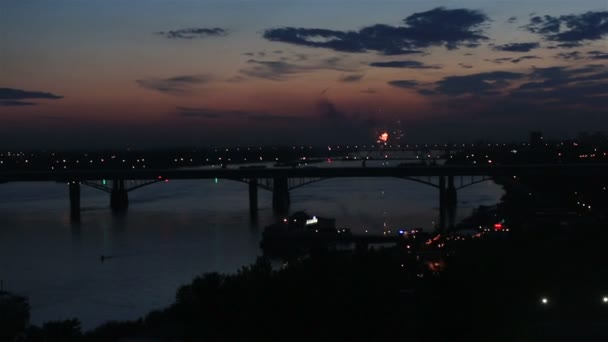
x,y
150,73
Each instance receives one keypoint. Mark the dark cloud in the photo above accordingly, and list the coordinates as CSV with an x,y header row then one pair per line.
x,y
403,64
585,87
512,20
465,66
403,83
574,55
271,70
280,70
11,97
559,100
561,77
178,85
451,28
19,94
511,59
499,60
486,83
546,92
328,110
517,47
522,58
598,54
569,45
351,78
571,30
193,32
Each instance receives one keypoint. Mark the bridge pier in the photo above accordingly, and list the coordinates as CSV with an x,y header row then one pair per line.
x,y
442,204
452,203
119,198
448,203
253,197
280,195
74,190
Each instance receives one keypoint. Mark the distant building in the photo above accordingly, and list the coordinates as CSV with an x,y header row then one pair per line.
x,y
536,138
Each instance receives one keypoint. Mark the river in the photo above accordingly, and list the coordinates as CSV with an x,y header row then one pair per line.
x,y
173,232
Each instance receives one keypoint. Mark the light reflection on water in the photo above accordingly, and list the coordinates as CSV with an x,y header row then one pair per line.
x,y
172,233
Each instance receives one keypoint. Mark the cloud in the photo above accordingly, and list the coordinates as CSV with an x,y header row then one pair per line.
x,y
486,83
512,20
281,70
571,30
583,87
574,55
542,91
499,60
19,94
561,100
451,28
328,110
517,47
465,66
403,83
598,54
271,70
178,85
193,32
403,64
14,97
522,58
511,59
554,77
351,78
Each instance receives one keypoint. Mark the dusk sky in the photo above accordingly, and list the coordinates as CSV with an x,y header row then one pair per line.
x,y
166,73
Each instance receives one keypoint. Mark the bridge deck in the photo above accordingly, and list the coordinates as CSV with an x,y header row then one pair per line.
x,y
405,171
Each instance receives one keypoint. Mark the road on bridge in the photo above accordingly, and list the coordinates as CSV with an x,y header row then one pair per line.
x,y
568,170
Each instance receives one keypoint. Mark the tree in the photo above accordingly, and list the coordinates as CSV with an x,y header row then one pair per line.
x,y
14,316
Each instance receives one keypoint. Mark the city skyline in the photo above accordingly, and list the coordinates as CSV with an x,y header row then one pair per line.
x,y
156,73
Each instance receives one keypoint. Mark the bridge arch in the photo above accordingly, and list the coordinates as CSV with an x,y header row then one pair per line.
x,y
316,180
474,181
108,186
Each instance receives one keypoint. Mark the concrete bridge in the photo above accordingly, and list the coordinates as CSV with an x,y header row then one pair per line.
x,y
280,181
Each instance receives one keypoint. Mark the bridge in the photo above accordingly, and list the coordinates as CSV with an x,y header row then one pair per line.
x,y
280,181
